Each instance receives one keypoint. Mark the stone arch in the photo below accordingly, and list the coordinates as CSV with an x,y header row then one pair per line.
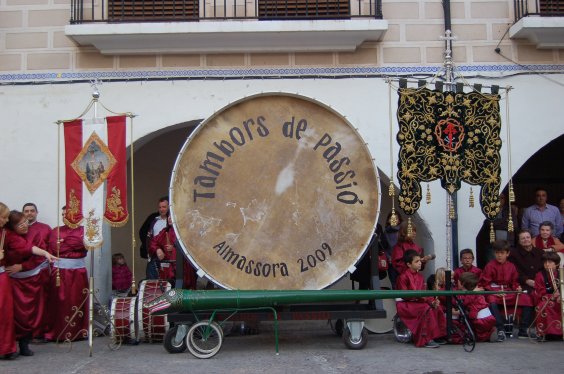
x,y
542,169
154,157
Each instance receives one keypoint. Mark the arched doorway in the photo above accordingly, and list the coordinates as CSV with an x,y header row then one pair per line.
x,y
154,157
542,169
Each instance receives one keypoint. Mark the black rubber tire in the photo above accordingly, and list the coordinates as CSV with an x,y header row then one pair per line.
x,y
401,332
169,342
347,338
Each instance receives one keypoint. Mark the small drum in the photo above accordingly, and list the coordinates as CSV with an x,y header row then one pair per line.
x,y
561,259
383,325
123,318
151,328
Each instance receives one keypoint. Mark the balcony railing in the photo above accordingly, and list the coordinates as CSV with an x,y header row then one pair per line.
x,y
543,8
122,11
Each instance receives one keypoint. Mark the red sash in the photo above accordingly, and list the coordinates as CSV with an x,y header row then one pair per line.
x,y
539,243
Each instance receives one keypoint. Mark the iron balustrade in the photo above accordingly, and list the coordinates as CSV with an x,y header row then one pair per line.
x,y
122,11
543,8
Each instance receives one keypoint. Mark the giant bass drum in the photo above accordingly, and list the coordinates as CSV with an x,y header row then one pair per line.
x,y
274,191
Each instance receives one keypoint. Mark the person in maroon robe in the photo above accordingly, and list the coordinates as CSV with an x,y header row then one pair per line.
x,y
26,284
162,247
422,315
476,307
545,240
466,261
38,235
406,242
66,295
7,336
548,301
500,275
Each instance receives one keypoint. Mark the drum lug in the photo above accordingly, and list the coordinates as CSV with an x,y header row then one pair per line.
x,y
355,327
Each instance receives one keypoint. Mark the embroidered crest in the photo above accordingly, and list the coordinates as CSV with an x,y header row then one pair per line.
x,y
94,162
114,206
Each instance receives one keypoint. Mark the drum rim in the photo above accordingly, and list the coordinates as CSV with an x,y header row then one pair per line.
x,y
199,270
139,307
132,316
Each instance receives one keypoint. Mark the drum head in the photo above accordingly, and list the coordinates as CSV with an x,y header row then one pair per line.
x,y
274,192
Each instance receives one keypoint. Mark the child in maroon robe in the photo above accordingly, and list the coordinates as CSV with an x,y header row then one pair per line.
x,y
500,275
547,298
422,315
479,314
466,260
121,275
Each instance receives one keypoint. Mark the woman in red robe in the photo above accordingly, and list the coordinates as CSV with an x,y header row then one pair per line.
x,y
547,298
423,316
26,286
67,244
545,241
7,337
162,247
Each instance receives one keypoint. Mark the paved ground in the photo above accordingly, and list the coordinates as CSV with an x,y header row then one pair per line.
x,y
305,347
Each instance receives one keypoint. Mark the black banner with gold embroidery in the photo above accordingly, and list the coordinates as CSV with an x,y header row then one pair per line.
x,y
449,136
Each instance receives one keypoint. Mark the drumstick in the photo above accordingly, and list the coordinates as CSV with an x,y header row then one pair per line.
x,y
504,304
516,303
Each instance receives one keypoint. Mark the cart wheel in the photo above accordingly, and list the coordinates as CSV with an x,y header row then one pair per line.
x,y
339,327
171,344
204,339
351,343
401,332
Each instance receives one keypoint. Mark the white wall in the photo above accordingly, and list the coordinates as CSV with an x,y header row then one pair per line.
x,y
29,136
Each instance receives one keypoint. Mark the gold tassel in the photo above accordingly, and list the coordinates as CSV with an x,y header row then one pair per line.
x,y
58,279
428,196
511,193
391,189
133,287
510,227
471,199
451,214
492,233
409,228
393,218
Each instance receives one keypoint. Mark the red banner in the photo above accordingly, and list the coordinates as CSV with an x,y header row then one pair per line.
x,y
73,183
89,162
116,185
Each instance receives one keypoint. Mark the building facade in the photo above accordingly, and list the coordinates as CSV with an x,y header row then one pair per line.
x,y
176,63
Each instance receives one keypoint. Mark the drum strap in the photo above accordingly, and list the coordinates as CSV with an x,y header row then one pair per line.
x,y
30,273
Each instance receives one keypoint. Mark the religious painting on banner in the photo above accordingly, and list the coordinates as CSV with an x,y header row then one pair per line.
x,y
451,136
95,155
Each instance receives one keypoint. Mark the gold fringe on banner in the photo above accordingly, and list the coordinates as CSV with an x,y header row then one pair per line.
x,y
471,199
394,218
492,233
428,195
451,212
